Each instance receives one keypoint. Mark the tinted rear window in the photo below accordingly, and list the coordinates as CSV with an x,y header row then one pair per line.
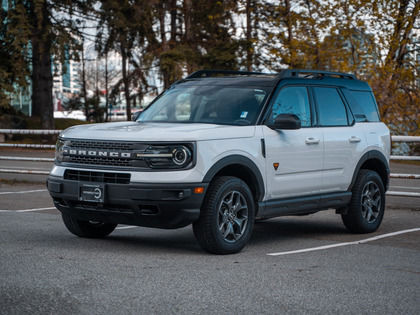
x,y
362,103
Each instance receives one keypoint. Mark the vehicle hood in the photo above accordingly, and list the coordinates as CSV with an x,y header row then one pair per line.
x,y
140,131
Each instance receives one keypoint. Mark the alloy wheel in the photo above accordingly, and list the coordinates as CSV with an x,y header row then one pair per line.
x,y
232,218
371,201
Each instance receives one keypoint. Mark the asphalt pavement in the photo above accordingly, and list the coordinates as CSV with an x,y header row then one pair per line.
x,y
46,270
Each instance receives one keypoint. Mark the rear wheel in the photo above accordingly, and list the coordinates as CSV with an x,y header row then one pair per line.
x,y
89,229
367,205
227,216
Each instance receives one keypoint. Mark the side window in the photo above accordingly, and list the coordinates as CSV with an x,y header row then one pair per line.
x,y
293,100
331,109
362,105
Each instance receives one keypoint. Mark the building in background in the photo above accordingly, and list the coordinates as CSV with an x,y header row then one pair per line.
x,y
66,81
413,54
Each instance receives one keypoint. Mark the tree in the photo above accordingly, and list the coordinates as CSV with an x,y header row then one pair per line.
x,y
369,38
124,27
40,29
14,50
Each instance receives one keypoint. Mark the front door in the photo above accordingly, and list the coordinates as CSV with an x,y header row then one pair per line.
x,y
293,157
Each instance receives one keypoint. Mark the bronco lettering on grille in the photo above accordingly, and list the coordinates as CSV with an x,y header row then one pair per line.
x,y
112,154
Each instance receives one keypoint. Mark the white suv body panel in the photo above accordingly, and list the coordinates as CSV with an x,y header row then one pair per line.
x,y
299,154
343,147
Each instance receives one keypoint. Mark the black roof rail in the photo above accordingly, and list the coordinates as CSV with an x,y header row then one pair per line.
x,y
320,73
209,73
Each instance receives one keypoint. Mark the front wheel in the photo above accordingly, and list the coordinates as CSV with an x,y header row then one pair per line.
x,y
227,216
89,229
367,205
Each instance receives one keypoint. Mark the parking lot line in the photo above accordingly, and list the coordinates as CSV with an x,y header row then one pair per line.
x,y
312,249
22,192
28,210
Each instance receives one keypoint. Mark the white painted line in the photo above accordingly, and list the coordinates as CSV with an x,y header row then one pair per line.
x,y
21,192
125,227
29,210
312,249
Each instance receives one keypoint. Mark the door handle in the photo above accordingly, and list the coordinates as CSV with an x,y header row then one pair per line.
x,y
354,139
311,140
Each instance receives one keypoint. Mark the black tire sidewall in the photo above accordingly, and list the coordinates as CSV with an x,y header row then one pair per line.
x,y
219,188
354,219
240,186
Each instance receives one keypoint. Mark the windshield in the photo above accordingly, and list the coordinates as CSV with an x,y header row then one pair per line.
x,y
207,104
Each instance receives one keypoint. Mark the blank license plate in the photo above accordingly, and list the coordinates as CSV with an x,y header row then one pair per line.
x,y
92,193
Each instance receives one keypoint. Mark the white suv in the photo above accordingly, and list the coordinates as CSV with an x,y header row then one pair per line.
x,y
221,149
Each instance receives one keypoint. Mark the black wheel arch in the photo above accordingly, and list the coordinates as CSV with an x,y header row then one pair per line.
x,y
376,161
241,167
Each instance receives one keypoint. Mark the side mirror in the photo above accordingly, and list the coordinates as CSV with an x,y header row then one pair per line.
x,y
286,121
135,116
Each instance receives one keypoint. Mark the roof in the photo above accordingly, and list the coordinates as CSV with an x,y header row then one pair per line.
x,y
246,78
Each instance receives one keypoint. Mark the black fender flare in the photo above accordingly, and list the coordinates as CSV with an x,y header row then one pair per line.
x,y
371,155
238,160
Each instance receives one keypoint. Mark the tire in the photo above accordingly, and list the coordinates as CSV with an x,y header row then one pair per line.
x,y
227,216
367,206
87,229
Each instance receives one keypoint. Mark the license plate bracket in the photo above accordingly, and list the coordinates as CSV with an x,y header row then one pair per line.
x,y
92,193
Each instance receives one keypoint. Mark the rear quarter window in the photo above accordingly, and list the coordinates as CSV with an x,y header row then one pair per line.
x,y
363,105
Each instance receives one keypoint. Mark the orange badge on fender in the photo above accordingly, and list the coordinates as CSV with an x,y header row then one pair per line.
x,y
276,166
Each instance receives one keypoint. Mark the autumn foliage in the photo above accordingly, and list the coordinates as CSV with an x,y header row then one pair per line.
x,y
374,39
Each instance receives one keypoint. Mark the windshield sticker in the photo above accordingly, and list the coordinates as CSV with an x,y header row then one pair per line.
x,y
244,114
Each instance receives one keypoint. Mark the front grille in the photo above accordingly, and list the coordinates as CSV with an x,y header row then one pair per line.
x,y
107,146
99,177
99,161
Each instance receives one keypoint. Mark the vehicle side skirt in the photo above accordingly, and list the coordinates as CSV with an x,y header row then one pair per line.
x,y
302,205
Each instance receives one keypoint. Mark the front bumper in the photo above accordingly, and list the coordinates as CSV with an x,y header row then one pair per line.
x,y
153,205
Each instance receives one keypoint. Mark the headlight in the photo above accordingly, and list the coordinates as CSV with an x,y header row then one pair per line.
x,y
59,150
167,156
181,156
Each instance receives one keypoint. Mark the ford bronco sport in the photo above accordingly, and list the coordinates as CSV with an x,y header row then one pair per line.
x,y
220,149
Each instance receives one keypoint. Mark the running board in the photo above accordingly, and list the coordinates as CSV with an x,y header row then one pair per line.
x,y
302,205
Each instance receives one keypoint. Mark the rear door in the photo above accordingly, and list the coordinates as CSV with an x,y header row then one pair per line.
x,y
293,157
344,140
